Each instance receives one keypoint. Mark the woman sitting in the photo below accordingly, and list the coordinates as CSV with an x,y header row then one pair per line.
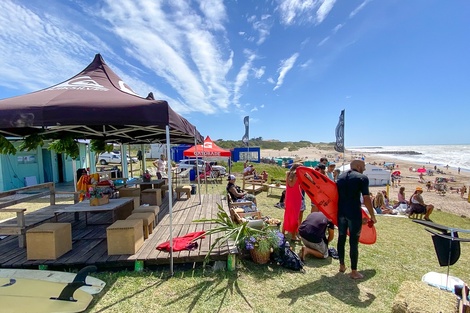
x,y
380,206
418,206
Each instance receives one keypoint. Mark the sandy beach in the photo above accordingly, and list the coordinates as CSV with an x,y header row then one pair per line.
x,y
450,202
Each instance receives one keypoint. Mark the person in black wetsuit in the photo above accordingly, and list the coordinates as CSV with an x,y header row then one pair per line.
x,y
351,185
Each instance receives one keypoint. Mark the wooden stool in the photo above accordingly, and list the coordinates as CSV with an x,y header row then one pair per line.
x,y
125,237
183,189
418,216
148,220
155,209
152,196
48,241
131,193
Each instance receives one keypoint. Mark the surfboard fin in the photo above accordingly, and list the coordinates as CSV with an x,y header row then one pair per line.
x,y
80,280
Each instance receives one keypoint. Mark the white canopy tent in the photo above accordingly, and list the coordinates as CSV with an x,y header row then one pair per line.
x,y
377,175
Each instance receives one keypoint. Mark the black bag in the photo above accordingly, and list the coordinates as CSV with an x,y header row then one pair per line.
x,y
288,258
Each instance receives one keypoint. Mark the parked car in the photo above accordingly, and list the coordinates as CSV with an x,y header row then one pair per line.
x,y
191,164
113,157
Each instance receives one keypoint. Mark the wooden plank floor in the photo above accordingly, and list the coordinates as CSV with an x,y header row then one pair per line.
x,y
90,245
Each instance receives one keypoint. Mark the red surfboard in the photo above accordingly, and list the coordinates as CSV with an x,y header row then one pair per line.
x,y
324,194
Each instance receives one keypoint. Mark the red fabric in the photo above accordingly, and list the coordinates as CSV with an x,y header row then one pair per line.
x,y
181,243
293,203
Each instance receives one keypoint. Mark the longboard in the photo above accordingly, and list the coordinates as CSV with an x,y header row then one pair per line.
x,y
95,285
21,295
441,281
324,194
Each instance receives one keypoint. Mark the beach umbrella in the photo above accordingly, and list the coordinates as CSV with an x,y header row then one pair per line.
x,y
421,170
396,173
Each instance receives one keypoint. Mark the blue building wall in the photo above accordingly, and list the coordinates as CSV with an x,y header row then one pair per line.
x,y
253,154
41,163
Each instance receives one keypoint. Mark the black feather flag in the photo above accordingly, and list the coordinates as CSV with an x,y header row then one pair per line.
x,y
246,137
339,146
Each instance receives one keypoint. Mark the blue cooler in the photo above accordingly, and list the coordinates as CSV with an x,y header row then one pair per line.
x,y
192,175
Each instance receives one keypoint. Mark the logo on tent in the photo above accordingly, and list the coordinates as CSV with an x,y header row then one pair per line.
x,y
207,145
80,83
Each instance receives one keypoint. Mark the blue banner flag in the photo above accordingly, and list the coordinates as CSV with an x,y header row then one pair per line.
x,y
246,137
339,146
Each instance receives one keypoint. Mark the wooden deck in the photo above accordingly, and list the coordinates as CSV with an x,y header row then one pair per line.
x,y
90,246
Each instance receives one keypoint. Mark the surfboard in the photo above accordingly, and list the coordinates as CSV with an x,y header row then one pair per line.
x,y
22,295
323,192
441,281
95,285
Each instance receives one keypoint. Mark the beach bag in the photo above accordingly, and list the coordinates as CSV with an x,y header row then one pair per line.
x,y
287,258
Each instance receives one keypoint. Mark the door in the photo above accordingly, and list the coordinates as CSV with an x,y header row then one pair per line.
x,y
47,166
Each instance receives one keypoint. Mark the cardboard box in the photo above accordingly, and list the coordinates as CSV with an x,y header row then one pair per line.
x,y
48,241
125,237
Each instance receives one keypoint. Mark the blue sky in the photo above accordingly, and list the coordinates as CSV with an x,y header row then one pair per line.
x,y
400,68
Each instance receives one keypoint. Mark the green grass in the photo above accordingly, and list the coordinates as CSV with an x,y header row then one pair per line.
x,y
403,252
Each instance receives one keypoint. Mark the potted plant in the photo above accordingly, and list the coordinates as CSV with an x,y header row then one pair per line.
x,y
259,242
96,195
262,243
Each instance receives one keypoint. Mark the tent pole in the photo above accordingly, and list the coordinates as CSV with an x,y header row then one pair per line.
x,y
74,169
170,196
198,182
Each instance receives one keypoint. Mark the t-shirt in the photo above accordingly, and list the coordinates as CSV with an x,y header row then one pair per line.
x,y
313,228
351,185
161,164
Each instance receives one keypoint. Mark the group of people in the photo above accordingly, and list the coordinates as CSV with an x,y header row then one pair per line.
x,y
316,231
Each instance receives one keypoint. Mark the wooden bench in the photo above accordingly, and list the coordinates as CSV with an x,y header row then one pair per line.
x,y
18,225
252,185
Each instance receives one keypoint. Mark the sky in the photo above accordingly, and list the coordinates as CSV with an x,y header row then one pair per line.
x,y
399,68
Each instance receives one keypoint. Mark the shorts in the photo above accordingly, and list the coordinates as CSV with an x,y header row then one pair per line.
x,y
250,197
322,247
418,208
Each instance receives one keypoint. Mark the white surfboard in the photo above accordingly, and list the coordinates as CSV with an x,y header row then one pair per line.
x,y
53,276
440,281
20,295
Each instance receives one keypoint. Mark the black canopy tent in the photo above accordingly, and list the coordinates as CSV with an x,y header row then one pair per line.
x,y
96,104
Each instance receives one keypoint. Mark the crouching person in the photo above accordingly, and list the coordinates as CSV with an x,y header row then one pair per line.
x,y
313,233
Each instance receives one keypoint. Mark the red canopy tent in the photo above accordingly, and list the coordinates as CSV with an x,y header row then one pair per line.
x,y
208,149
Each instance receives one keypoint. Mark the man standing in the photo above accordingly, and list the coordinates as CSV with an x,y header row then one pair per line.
x,y
351,185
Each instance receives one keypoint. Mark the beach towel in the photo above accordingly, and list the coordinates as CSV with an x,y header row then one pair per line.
x,y
182,243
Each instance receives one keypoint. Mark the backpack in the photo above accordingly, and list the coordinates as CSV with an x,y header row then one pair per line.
x,y
287,258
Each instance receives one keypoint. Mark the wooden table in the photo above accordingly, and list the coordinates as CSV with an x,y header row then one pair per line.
x,y
273,186
84,206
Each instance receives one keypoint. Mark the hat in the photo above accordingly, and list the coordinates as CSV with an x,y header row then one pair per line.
x,y
332,163
231,177
297,160
419,189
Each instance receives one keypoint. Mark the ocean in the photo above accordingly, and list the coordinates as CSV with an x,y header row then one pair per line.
x,y
441,155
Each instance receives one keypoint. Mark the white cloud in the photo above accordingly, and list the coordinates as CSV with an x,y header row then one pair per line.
x,y
178,46
254,109
337,28
359,8
242,77
298,11
321,43
259,72
286,66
